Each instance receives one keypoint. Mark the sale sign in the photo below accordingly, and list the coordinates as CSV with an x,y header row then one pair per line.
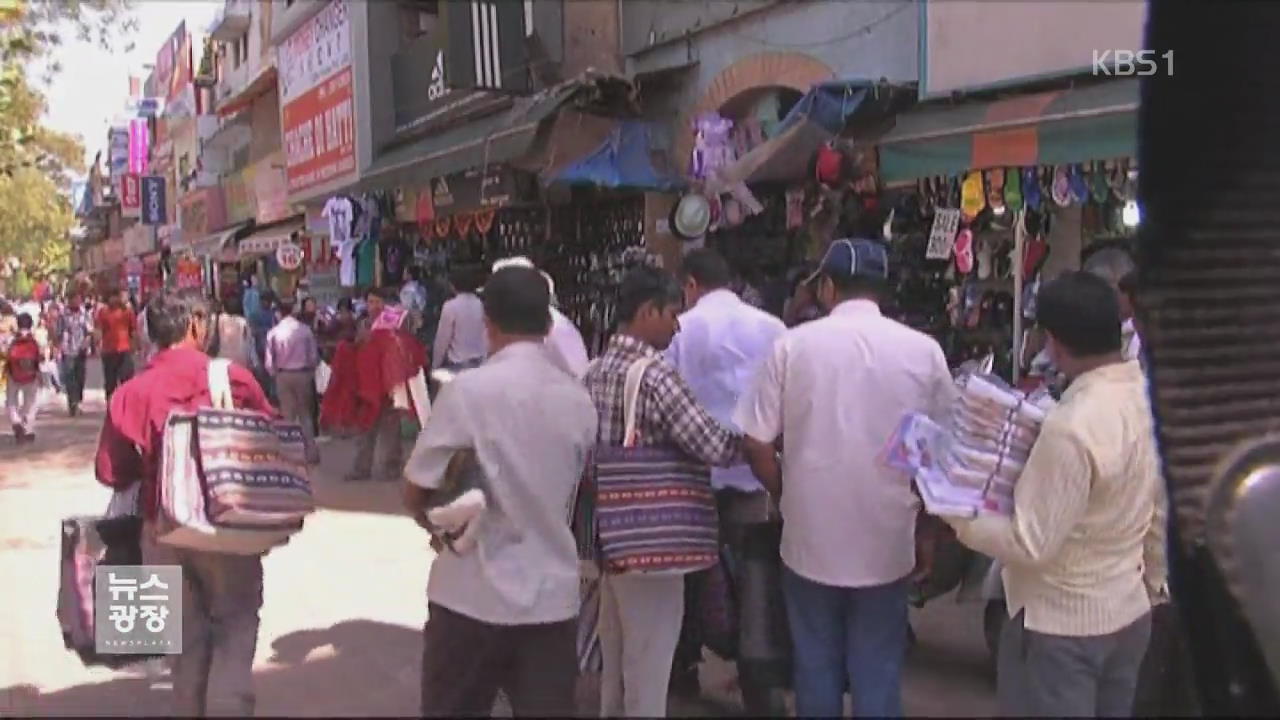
x,y
130,195
320,133
317,111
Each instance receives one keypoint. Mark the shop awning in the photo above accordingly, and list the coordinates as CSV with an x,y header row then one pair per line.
x,y
624,160
1065,126
498,138
213,244
819,116
265,240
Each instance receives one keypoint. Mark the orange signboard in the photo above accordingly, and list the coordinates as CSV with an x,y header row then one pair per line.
x,y
320,133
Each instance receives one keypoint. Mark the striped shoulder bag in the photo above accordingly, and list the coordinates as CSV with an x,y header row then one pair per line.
x,y
655,508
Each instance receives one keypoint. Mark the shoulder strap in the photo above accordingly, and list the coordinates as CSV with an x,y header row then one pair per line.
x,y
220,385
631,399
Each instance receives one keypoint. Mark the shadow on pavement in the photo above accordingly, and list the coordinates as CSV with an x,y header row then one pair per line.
x,y
366,496
358,668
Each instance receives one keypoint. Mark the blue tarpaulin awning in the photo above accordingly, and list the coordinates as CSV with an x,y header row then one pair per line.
x,y
623,160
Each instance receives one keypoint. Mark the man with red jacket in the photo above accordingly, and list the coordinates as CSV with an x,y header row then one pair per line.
x,y
22,392
221,593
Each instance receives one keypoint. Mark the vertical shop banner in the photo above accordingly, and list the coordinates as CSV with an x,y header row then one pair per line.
x,y
139,146
117,152
271,190
317,113
153,201
173,73
130,195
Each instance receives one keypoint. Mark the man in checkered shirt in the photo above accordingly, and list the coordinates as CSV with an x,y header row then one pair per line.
x,y
641,614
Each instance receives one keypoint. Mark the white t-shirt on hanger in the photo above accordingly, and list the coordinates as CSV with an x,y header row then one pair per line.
x,y
338,211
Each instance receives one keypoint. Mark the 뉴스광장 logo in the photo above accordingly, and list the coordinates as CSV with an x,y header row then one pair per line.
x,y
1130,63
137,609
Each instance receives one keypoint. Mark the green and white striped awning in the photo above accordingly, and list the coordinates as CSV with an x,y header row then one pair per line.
x,y
1051,128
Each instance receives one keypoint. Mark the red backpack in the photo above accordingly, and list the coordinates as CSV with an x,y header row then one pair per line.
x,y
24,360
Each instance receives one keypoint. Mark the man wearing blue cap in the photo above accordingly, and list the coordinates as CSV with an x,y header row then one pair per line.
x,y
837,387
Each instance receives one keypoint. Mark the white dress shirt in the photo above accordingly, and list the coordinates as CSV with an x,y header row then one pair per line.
x,y
460,337
524,567
718,351
838,387
565,344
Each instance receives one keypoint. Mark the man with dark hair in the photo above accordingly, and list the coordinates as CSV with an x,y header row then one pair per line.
x,y
640,612
385,430
291,360
723,340
72,336
837,388
460,335
502,613
1083,551
221,593
22,391
115,326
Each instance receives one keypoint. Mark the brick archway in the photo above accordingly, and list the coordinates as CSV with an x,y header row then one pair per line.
x,y
772,69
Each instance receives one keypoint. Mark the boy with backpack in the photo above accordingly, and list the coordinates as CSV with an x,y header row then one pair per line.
x,y
22,367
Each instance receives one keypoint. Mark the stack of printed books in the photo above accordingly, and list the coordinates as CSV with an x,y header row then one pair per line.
x,y
972,465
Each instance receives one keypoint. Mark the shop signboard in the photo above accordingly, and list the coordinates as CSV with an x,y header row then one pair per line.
x,y
139,146
130,195
486,47
425,102
173,74
154,210
240,200
317,109
203,211
323,285
117,152
1039,40
473,190
112,252
271,190
138,240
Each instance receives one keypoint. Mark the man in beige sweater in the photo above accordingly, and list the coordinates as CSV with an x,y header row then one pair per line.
x,y
1083,551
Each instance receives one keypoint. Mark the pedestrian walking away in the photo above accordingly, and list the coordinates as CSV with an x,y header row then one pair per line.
x,y
502,610
221,593
836,388
115,326
641,613
291,358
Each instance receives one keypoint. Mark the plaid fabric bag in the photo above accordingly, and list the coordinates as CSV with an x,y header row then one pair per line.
x,y
655,510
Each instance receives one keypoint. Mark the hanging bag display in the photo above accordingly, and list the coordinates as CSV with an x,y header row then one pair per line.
x,y
655,509
231,481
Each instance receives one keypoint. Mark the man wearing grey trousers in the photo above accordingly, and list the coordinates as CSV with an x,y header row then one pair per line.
x,y
291,359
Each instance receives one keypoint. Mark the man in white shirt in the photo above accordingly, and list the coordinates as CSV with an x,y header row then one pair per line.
x,y
502,614
460,337
721,344
837,387
564,341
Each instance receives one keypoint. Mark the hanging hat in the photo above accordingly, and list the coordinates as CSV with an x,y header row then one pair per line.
x,y
691,217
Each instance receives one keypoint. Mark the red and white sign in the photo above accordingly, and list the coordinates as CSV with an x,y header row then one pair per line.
x,y
320,133
315,52
289,256
130,195
317,112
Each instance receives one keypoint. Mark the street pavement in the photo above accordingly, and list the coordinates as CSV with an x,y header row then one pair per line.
x,y
343,608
